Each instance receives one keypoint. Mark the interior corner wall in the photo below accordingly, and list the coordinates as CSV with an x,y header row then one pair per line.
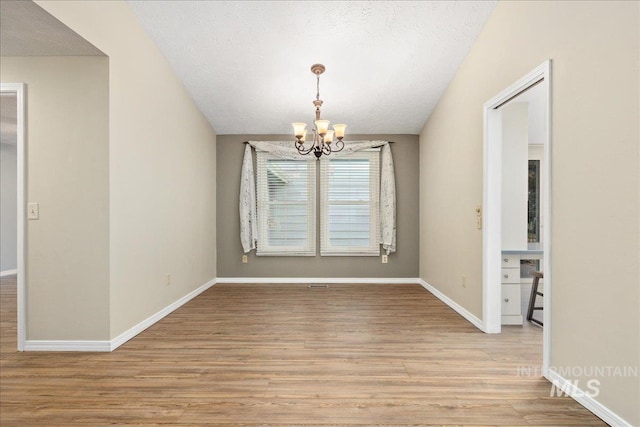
x,y
594,48
8,208
162,157
402,263
67,164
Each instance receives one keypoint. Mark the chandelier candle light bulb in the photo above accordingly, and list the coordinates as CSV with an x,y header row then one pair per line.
x,y
299,129
322,136
339,131
322,126
328,138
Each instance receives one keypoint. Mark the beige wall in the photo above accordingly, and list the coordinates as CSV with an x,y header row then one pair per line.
x,y
402,263
595,184
162,168
68,175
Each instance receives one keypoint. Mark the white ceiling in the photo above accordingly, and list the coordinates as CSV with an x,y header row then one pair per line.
x,y
247,64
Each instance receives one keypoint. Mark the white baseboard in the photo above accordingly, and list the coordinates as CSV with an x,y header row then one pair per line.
x,y
135,330
106,345
8,272
287,280
586,400
63,345
454,305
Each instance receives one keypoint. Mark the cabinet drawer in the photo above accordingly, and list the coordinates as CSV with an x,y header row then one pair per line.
x,y
510,275
512,261
510,299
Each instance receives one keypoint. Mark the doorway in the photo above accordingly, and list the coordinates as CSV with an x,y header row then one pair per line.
x,y
493,220
16,92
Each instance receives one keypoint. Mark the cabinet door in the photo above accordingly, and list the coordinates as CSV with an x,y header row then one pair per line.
x,y
510,300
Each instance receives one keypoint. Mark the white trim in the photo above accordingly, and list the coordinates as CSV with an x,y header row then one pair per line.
x,y
265,216
475,321
547,221
149,321
586,400
491,228
308,280
492,206
106,346
62,345
20,90
8,273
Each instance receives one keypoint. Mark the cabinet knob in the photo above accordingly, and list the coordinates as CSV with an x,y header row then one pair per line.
x,y
506,276
506,260
506,300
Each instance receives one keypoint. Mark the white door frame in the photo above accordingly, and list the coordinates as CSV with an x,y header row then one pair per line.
x,y
492,202
19,90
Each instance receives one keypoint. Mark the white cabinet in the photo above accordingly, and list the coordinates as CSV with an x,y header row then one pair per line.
x,y
510,295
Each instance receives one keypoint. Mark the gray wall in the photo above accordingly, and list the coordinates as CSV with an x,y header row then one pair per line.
x,y
8,207
402,263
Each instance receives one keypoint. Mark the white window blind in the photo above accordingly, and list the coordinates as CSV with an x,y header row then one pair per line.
x,y
286,193
349,204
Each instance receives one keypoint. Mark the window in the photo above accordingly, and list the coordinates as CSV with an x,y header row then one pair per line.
x,y
286,206
533,211
349,204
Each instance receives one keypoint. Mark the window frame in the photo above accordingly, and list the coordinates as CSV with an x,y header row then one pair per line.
x,y
373,249
263,203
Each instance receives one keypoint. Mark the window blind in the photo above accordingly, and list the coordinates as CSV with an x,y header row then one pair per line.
x,y
349,204
286,206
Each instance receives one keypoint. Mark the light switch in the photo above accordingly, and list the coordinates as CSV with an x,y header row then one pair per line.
x,y
33,211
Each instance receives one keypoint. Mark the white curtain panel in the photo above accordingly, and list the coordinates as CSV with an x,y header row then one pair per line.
x,y
248,215
387,201
287,150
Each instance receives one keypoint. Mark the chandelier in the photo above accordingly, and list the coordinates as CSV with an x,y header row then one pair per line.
x,y
322,136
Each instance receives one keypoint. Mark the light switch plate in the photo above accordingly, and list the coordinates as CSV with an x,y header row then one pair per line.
x,y
33,210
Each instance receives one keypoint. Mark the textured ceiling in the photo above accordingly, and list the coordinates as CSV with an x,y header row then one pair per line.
x,y
246,64
28,30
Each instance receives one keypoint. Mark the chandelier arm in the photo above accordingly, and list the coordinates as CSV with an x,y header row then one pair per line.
x,y
337,146
302,149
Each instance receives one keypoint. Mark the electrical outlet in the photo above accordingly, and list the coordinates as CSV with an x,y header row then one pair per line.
x,y
464,281
385,259
168,279
244,259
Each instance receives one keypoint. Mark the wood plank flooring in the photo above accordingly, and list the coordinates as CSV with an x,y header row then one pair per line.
x,y
287,355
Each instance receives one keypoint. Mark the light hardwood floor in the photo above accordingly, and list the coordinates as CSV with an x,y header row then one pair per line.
x,y
287,355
